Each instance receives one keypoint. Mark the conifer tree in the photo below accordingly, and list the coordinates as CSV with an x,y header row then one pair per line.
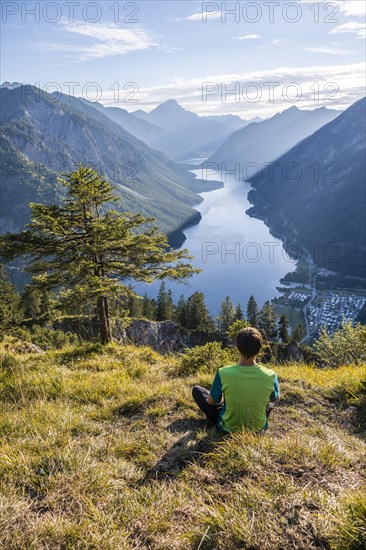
x,y
31,301
298,334
38,304
135,306
86,249
148,307
268,321
161,303
11,312
198,317
239,314
181,312
283,329
252,312
169,306
226,315
164,304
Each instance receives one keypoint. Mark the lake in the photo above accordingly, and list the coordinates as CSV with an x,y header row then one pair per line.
x,y
237,254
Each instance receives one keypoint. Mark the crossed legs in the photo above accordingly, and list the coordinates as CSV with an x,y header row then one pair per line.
x,y
200,395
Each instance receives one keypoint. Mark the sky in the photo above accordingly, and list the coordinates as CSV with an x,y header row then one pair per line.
x,y
249,58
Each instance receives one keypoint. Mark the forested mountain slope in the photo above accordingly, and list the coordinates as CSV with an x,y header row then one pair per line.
x,y
42,135
315,194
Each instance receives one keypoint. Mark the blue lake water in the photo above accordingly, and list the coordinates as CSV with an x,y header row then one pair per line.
x,y
237,254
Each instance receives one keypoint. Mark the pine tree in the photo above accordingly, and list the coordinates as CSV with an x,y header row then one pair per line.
x,y
86,249
181,312
148,307
253,312
239,314
298,334
165,305
283,329
135,306
198,317
161,303
226,315
31,300
38,304
268,321
11,312
169,306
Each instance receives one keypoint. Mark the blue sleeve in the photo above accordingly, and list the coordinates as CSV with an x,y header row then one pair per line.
x,y
276,390
216,388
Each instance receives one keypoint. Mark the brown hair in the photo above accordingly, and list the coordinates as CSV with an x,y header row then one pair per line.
x,y
249,341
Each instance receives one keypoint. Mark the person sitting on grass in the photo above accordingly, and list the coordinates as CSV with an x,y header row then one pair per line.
x,y
240,394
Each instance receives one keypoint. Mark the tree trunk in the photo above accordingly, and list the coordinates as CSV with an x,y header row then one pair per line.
x,y
106,308
104,321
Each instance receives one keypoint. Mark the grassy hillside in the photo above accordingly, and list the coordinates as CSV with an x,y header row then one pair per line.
x,y
102,448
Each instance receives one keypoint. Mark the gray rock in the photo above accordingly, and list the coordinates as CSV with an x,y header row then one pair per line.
x,y
23,347
164,337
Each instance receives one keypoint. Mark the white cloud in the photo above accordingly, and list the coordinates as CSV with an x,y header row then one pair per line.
x,y
330,50
203,16
353,7
109,40
350,8
275,42
348,78
352,27
248,37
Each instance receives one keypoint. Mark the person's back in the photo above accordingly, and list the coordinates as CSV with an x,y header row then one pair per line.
x,y
247,391
240,393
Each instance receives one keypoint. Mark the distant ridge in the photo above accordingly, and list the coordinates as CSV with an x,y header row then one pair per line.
x,y
201,134
264,141
153,135
11,85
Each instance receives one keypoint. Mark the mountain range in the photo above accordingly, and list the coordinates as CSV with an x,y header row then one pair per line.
x,y
309,188
264,141
152,134
201,134
315,195
44,134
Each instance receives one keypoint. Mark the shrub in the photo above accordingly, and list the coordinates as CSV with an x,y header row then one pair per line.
x,y
207,358
45,337
346,346
236,326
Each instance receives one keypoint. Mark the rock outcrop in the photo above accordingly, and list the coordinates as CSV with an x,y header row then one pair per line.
x,y
22,347
164,337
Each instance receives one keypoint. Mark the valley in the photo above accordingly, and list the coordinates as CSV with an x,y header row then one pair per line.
x,y
247,237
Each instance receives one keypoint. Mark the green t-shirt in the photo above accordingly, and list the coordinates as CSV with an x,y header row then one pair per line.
x,y
247,392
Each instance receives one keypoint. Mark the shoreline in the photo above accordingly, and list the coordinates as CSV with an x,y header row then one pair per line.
x,y
283,238
176,237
